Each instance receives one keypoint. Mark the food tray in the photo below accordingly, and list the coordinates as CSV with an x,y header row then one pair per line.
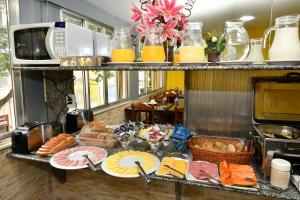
x,y
109,143
170,176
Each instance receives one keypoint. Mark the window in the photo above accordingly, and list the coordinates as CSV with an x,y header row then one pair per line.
x,y
150,81
102,88
7,117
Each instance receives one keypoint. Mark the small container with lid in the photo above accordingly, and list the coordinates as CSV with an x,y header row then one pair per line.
x,y
280,173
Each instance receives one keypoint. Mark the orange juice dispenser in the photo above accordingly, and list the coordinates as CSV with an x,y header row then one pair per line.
x,y
153,50
122,49
192,47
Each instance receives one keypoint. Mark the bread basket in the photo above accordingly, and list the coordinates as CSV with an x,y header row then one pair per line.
x,y
216,157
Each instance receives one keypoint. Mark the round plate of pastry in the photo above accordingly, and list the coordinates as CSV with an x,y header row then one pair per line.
x,y
122,164
74,158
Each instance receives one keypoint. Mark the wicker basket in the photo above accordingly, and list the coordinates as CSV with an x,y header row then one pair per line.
x,y
217,157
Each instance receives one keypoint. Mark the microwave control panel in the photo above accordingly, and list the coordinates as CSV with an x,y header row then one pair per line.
x,y
59,39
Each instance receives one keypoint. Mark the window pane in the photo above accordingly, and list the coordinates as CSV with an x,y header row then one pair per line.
x,y
142,83
7,117
97,95
149,81
123,84
111,86
72,19
79,88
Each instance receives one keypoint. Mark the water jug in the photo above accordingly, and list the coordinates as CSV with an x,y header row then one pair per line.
x,y
286,44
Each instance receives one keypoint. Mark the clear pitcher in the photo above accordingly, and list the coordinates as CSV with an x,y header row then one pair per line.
x,y
286,44
153,49
237,41
122,49
192,46
256,53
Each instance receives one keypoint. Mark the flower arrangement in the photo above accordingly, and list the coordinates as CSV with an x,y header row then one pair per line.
x,y
162,12
214,43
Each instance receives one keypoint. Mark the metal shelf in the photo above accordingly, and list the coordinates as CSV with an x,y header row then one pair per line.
x,y
139,67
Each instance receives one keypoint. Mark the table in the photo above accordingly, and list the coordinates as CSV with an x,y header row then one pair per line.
x,y
163,114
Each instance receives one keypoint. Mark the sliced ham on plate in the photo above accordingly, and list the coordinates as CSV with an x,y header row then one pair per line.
x,y
195,168
73,158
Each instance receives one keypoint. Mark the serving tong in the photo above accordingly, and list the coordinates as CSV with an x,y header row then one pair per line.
x,y
265,184
211,178
142,172
91,165
175,170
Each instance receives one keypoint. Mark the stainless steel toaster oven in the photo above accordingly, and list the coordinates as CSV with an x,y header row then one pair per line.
x,y
276,118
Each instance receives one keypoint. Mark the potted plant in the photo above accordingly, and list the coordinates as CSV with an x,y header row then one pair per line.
x,y
214,45
161,12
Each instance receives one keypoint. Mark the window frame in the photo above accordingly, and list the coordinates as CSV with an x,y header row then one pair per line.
x,y
86,78
155,79
12,12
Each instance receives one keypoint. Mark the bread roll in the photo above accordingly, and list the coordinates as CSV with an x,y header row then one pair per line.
x,y
219,145
239,146
231,148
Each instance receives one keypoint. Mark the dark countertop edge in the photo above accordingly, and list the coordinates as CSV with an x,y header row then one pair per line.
x,y
294,194
136,67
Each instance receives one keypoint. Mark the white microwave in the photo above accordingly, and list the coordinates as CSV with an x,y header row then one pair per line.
x,y
45,43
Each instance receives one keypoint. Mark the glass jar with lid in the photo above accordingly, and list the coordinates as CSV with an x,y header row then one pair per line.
x,y
237,41
192,46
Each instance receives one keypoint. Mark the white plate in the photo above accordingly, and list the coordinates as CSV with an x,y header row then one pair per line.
x,y
152,103
235,62
194,63
129,161
170,176
253,188
76,155
283,62
190,177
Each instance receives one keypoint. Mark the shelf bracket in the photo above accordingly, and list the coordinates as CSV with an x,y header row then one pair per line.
x,y
178,191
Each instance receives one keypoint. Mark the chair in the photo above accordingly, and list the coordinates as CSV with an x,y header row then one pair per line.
x,y
171,95
4,123
137,109
178,115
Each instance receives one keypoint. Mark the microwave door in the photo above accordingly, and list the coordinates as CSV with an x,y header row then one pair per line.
x,y
34,46
50,42
23,44
39,50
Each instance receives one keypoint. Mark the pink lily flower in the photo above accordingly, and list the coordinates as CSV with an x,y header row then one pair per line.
x,y
183,21
145,25
153,12
137,14
170,10
169,30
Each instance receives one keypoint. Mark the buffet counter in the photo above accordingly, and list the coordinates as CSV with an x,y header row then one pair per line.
x,y
263,191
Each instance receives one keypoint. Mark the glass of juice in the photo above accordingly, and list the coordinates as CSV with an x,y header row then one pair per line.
x,y
153,50
192,48
122,49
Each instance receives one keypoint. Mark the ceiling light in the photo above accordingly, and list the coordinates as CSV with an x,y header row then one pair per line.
x,y
247,18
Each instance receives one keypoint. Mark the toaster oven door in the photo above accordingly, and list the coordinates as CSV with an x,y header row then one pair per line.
x,y
35,138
